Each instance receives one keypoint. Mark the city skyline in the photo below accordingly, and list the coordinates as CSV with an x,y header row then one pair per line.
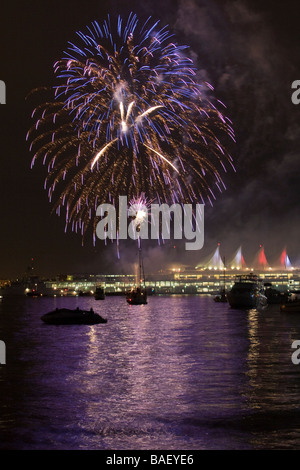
x,y
214,262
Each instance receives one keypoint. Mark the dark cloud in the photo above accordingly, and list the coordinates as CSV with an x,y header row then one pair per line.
x,y
242,53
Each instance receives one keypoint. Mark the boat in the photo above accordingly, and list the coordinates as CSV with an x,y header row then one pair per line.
x,y
138,295
100,293
222,296
274,296
86,293
34,293
247,292
65,316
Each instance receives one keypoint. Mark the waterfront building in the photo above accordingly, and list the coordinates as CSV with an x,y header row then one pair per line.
x,y
208,277
176,281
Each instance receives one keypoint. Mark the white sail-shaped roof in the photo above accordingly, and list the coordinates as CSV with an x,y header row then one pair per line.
x,y
214,262
238,261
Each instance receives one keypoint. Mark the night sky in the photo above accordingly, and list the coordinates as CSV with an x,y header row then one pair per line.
x,y
248,50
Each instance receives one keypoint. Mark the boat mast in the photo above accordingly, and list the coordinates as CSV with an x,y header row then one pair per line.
x,y
224,279
141,264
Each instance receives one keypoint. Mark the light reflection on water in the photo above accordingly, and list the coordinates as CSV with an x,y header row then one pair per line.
x,y
182,372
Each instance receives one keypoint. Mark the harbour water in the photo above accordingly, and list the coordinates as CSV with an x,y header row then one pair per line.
x,y
182,372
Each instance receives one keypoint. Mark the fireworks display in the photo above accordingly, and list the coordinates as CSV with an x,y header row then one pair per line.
x,y
128,117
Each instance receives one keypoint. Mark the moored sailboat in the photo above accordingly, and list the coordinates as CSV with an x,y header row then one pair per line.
x,y
100,293
222,296
138,295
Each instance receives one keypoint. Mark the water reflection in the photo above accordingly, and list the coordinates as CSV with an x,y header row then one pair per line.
x,y
178,373
254,344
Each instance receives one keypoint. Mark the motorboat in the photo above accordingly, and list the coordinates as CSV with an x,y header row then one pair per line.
x,y
34,293
247,292
65,316
86,293
274,296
